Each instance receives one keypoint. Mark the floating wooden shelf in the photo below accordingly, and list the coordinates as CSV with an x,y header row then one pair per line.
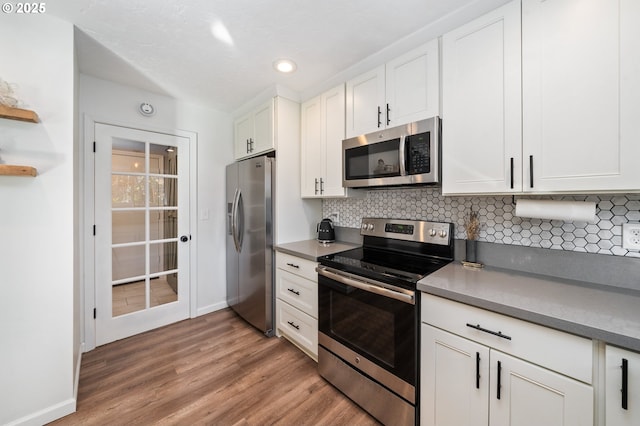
x,y
18,114
7,170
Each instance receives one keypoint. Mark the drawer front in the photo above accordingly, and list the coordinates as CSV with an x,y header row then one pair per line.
x,y
298,327
556,350
298,291
296,265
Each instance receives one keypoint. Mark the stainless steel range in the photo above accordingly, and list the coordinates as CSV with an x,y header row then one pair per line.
x,y
369,313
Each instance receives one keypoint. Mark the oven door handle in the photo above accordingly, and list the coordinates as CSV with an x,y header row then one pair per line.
x,y
407,297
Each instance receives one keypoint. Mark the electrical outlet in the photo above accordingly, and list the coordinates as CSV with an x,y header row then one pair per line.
x,y
631,236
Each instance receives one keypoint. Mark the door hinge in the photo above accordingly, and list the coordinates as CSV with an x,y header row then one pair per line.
x,y
94,313
94,146
94,230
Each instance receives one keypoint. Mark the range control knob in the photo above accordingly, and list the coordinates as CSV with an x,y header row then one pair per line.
x,y
443,233
432,232
370,227
364,226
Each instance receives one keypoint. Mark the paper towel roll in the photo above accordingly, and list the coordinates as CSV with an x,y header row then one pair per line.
x,y
569,211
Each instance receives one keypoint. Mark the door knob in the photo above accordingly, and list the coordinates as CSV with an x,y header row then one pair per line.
x,y
184,238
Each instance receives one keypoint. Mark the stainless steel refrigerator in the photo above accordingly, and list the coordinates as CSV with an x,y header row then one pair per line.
x,y
250,281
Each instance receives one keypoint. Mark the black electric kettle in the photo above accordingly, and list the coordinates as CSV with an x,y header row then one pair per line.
x,y
326,233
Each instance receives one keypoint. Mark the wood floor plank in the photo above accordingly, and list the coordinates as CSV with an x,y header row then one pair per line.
x,y
211,370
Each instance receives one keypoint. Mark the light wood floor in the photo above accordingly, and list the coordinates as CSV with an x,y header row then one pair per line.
x,y
211,370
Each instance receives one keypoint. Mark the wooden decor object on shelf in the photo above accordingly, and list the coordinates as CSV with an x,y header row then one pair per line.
x,y
18,114
9,170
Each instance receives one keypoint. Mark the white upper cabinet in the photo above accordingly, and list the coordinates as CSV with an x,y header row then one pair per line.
x,y
323,121
404,90
576,66
581,95
253,132
481,105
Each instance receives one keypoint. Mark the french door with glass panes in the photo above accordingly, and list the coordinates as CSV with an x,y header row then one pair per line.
x,y
142,231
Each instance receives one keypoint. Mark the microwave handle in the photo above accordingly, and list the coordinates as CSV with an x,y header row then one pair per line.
x,y
402,156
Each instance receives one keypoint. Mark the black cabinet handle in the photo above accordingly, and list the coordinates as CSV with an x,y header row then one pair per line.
x,y
511,172
321,186
388,119
495,333
499,378
625,383
251,144
297,293
477,370
316,186
531,171
293,266
247,146
379,113
292,324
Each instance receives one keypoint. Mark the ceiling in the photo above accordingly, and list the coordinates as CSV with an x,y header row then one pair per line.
x,y
169,47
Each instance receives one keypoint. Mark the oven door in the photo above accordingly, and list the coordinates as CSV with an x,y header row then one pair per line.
x,y
371,326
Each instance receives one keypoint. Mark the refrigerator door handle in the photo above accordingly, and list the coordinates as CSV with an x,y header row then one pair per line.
x,y
240,221
234,220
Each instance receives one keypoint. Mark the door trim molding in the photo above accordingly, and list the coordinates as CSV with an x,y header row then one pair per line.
x,y
86,251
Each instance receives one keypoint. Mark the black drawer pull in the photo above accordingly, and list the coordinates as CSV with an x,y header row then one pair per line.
x,y
495,333
499,379
293,324
531,171
293,266
625,383
297,293
477,370
379,114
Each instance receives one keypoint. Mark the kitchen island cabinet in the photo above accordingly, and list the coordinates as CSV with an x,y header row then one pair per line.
x,y
622,381
504,370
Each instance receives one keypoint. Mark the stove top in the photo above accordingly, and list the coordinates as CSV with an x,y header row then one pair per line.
x,y
397,252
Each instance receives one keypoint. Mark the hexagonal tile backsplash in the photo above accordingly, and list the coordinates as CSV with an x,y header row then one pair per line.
x,y
497,216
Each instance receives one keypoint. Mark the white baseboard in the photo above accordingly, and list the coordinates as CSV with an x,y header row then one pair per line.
x,y
76,382
47,415
211,308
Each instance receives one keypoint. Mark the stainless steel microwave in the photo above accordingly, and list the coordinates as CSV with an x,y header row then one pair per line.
x,y
403,155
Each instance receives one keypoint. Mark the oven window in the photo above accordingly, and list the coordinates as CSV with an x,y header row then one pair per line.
x,y
379,328
376,160
365,326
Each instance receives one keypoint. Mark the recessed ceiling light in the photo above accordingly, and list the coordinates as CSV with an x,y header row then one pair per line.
x,y
285,65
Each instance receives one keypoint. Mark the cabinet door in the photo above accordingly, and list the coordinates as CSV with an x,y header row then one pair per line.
x,y
481,105
574,53
263,128
454,380
365,101
243,131
311,147
616,413
412,86
523,394
333,108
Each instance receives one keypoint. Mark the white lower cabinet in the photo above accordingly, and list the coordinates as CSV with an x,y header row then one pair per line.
x,y
622,393
297,302
466,381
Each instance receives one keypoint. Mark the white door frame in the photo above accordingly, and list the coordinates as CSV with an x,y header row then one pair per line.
x,y
86,251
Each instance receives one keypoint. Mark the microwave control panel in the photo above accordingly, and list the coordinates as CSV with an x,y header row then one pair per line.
x,y
419,159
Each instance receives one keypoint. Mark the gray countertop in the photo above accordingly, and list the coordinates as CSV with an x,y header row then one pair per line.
x,y
590,310
312,249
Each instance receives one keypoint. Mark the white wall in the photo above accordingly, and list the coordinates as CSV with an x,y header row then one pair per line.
x,y
37,224
110,102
